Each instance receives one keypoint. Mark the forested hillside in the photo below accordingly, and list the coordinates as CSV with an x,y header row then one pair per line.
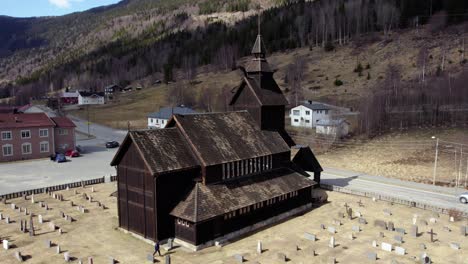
x,y
174,45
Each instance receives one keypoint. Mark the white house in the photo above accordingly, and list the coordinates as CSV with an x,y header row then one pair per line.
x,y
337,127
160,119
309,113
90,98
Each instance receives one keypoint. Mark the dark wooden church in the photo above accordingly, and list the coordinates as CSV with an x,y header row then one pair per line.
x,y
211,177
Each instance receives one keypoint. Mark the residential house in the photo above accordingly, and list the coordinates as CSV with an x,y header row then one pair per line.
x,y
216,176
309,113
69,98
64,134
111,89
160,119
32,136
91,98
335,127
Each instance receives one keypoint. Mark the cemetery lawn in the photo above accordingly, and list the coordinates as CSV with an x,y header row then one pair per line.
x,y
96,234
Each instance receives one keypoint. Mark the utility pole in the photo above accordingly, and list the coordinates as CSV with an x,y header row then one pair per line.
x,y
435,161
460,167
87,110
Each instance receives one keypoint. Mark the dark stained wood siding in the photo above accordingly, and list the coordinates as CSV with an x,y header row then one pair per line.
x,y
272,117
171,188
247,101
136,194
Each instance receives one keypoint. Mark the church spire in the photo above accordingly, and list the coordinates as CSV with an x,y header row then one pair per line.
x,y
259,63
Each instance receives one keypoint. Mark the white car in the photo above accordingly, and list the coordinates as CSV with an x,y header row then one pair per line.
x,y
463,198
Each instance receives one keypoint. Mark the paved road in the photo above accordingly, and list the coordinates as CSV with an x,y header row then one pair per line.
x,y
435,195
101,133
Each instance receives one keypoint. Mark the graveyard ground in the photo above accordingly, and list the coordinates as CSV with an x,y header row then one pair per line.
x,y
96,234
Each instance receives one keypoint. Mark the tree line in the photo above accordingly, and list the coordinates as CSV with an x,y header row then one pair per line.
x,y
292,25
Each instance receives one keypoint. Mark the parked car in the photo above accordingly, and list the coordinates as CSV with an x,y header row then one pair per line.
x,y
463,198
112,144
59,158
72,153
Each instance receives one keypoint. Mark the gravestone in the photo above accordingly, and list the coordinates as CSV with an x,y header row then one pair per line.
x,y
400,251
92,189
390,226
374,243
40,220
72,203
80,261
372,256
423,222
52,226
66,256
463,231
281,257
337,222
331,229
259,247
31,227
18,256
322,226
362,221
239,258
422,246
90,260
62,214
356,228
332,260
150,258
13,206
381,234
112,260
431,233
48,243
433,220
358,214
46,207
447,229
350,213
41,204
374,199
381,224
340,215
57,250
400,230
414,231
32,199
332,242
1,216
6,244
351,236
386,247
60,231
168,259
398,239
7,219
415,219
310,237
452,219
455,246
387,212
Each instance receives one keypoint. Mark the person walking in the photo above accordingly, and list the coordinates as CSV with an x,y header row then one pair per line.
x,y
156,249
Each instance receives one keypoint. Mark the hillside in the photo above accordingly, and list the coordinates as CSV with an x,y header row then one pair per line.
x,y
211,87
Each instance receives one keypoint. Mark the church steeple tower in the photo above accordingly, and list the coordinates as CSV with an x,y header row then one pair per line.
x,y
259,63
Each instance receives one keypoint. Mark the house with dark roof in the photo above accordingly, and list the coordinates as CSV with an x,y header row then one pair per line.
x,y
34,136
208,178
159,119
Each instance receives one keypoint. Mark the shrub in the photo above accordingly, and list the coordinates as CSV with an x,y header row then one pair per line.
x,y
338,82
329,46
359,68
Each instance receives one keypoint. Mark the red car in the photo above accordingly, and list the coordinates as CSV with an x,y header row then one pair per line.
x,y
72,153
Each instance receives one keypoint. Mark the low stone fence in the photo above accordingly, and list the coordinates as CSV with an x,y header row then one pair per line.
x,y
391,199
55,188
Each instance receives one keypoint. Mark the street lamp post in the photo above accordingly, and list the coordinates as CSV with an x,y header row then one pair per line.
x,y
435,160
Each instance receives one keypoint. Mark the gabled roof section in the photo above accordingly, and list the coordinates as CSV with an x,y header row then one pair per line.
x,y
25,120
303,157
164,150
62,121
224,137
265,89
207,201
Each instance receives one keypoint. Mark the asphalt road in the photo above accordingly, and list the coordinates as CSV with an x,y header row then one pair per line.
x,y
100,133
434,195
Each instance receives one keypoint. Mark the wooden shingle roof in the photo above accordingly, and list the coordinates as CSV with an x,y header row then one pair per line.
x,y
218,199
224,137
164,150
265,89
